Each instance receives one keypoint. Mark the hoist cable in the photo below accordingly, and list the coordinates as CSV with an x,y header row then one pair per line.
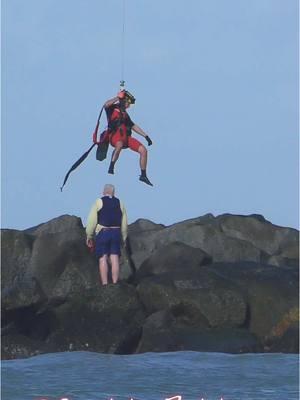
x,y
123,47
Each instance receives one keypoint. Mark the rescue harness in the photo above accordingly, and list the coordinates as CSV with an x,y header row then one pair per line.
x,y
103,142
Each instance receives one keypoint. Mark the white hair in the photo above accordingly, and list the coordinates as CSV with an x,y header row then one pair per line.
x,y
109,189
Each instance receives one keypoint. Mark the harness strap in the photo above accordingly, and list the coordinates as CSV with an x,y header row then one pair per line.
x,y
84,155
115,124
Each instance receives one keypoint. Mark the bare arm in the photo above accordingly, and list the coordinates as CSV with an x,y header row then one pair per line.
x,y
139,130
110,102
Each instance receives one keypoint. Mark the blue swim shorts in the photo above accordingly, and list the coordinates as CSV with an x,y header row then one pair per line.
x,y
108,241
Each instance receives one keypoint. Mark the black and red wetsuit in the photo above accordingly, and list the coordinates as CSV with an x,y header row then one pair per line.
x,y
119,127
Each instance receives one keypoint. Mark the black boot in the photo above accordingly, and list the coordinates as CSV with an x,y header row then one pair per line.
x,y
111,167
143,178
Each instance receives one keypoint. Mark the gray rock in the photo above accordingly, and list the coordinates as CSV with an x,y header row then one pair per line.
x,y
108,320
216,299
20,346
64,223
181,329
144,225
16,248
208,237
265,236
174,256
227,283
272,295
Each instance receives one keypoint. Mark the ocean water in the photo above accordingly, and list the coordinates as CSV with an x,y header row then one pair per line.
x,y
151,376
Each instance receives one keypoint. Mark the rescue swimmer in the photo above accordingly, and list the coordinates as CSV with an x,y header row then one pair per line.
x,y
120,127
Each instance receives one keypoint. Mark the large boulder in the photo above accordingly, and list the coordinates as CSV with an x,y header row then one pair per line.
x,y
217,300
64,223
257,301
271,239
107,320
19,288
144,225
45,262
41,267
62,264
272,296
175,256
180,329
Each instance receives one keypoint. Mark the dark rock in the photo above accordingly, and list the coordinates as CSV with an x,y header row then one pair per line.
x,y
280,261
174,256
225,238
45,263
291,251
20,346
288,256
227,283
25,291
272,295
177,329
108,320
61,263
260,233
205,234
288,342
16,248
217,300
64,223
143,225
19,288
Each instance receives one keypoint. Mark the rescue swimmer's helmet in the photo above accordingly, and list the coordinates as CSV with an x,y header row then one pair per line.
x,y
129,97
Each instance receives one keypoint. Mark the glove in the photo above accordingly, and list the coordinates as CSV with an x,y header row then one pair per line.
x,y
148,140
121,94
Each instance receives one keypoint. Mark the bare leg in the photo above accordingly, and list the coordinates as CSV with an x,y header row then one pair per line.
x,y
103,269
115,268
143,157
115,156
117,151
143,164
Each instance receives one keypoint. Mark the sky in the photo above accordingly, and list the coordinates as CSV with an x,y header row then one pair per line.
x,y
217,90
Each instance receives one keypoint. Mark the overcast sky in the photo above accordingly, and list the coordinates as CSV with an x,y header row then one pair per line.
x,y
216,83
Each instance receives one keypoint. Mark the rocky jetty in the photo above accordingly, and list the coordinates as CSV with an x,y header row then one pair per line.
x,y
226,284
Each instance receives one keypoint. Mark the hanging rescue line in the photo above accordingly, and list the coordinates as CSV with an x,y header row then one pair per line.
x,y
84,156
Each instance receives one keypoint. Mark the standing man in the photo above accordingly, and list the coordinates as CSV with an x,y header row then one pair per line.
x,y
108,220
120,126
